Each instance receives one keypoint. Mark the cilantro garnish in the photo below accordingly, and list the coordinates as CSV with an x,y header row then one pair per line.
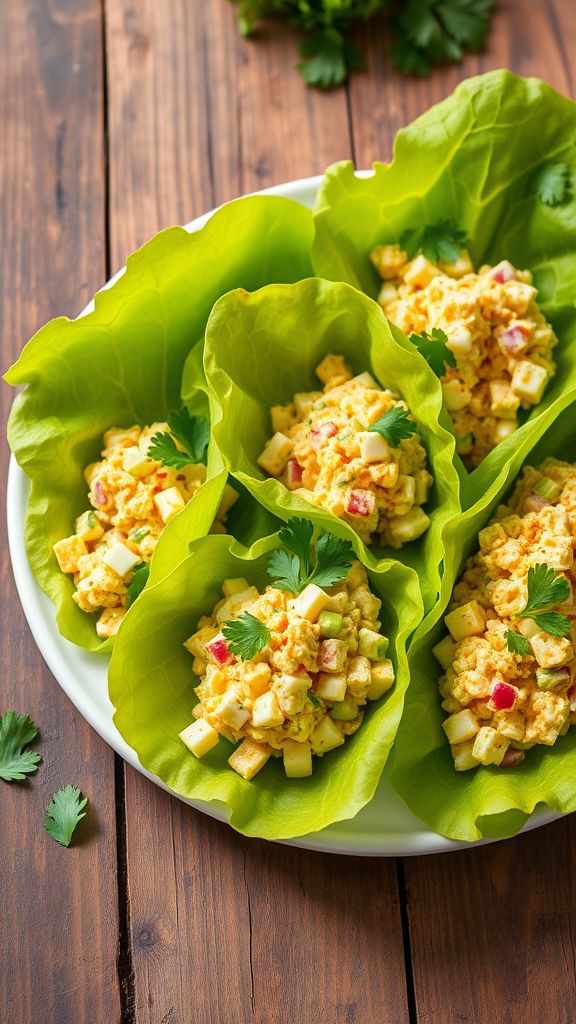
x,y
328,58
301,562
546,587
246,636
314,700
64,811
430,32
552,184
394,426
16,731
193,433
441,241
516,643
140,574
435,350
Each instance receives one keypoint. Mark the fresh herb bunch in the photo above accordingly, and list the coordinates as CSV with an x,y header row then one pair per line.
x,y
424,32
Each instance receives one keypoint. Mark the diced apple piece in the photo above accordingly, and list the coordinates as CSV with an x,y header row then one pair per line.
x,y
137,464
444,651
503,429
266,713
68,551
229,498
297,759
168,503
456,395
234,605
513,341
304,400
231,712
89,527
489,746
275,455
218,649
110,621
460,341
463,756
249,758
372,644
365,380
200,737
528,628
373,447
196,644
326,736
120,558
91,471
503,401
360,503
468,620
292,685
311,602
420,272
234,586
502,272
529,381
502,697
293,475
551,651
282,418
330,686
460,727
382,679
409,526
387,294
332,655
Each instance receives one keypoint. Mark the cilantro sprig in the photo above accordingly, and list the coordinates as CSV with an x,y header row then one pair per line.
x,y
395,426
16,732
516,643
301,562
64,812
246,636
545,587
552,184
140,574
435,350
193,433
441,241
431,32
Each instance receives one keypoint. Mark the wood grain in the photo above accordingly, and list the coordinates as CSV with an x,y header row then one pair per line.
x,y
58,907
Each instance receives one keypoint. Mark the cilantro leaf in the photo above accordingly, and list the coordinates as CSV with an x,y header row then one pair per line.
x,y
545,587
552,184
394,426
285,570
441,241
435,350
16,731
553,623
314,700
246,636
334,557
193,433
430,32
296,536
328,58
63,813
517,644
140,574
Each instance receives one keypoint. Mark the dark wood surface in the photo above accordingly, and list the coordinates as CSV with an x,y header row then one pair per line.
x,y
120,118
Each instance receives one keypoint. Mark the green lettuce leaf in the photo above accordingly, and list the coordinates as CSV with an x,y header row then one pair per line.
x,y
483,802
122,364
151,686
263,347
475,160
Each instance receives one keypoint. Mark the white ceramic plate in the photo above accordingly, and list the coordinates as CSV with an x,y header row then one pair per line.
x,y
384,828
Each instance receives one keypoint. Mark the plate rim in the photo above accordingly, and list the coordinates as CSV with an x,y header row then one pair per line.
x,y
52,645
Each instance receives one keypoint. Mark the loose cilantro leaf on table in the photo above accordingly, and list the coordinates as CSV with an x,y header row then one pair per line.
x,y
394,426
430,32
435,350
16,731
546,587
517,644
193,433
140,574
64,811
328,58
552,184
324,564
246,636
441,241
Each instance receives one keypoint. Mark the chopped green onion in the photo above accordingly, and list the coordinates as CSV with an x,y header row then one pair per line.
x,y
91,520
331,624
547,489
137,535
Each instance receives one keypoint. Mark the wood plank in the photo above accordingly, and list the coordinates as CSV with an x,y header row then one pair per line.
x,y
58,907
198,116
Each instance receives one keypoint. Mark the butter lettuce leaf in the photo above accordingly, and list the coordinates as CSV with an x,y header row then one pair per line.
x,y
262,347
471,160
122,364
151,685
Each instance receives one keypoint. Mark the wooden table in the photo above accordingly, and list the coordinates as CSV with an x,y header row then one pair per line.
x,y
118,118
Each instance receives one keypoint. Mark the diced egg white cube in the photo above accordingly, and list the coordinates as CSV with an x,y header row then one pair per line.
x,y
551,651
387,294
196,644
366,380
311,602
89,527
503,401
326,736
168,503
249,758
468,620
137,464
456,395
266,711
230,710
200,737
529,381
459,341
229,498
463,756
420,272
503,429
461,726
120,558
276,454
297,759
373,447
331,686
304,400
68,551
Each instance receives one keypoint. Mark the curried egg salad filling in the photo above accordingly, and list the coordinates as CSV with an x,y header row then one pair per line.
x,y
352,449
510,661
287,675
501,342
132,497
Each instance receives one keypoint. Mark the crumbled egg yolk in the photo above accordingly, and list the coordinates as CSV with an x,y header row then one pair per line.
x,y
500,703
324,450
501,341
132,499
304,693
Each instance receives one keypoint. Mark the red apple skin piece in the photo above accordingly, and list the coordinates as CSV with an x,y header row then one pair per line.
x,y
294,473
571,696
503,272
502,697
99,495
513,341
535,503
324,432
219,650
360,503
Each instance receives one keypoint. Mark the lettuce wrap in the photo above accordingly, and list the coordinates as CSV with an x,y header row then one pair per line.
x,y
483,159
122,364
482,802
151,685
263,347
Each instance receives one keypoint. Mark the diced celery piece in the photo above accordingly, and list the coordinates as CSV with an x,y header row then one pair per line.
x,y
372,645
345,711
331,624
549,678
547,489
138,534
